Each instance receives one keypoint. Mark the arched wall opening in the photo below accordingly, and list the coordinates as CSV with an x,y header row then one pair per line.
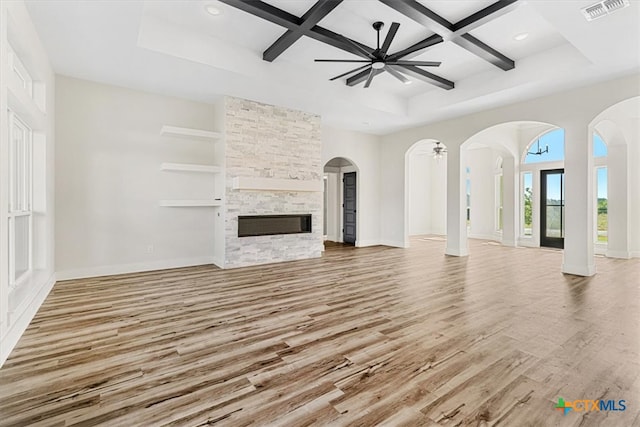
x,y
492,181
340,214
618,126
425,190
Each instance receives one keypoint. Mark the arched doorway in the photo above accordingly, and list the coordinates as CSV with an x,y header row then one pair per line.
x,y
341,179
425,189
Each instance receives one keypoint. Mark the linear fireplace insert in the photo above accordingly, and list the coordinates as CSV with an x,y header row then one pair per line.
x,y
266,225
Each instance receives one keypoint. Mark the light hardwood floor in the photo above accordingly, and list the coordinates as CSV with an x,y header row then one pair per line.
x,y
359,337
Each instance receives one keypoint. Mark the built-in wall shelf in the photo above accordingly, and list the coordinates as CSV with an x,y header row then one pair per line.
x,y
190,133
189,167
203,203
274,184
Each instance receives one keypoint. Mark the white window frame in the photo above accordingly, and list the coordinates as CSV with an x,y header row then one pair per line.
x,y
23,207
21,73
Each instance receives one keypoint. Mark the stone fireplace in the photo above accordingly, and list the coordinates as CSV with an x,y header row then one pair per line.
x,y
273,178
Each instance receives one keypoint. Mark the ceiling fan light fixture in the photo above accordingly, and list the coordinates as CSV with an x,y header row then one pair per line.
x,y
377,65
438,151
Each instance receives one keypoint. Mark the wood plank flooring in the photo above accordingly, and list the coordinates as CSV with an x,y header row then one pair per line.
x,y
368,336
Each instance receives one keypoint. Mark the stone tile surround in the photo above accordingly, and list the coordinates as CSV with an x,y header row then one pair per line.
x,y
266,141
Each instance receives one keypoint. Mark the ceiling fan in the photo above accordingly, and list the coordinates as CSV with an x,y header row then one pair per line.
x,y
439,150
379,60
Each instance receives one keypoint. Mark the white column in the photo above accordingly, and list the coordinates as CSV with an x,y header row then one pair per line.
x,y
510,202
456,202
618,198
579,203
633,151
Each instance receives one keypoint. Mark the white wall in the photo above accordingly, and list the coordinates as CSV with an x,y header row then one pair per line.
x,y
109,183
20,304
420,198
481,165
427,191
362,150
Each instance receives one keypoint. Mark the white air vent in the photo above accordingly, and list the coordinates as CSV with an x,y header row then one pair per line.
x,y
603,8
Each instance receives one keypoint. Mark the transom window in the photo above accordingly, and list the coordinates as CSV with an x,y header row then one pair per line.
x,y
548,148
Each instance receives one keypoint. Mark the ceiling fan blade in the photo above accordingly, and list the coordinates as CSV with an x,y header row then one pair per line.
x,y
358,47
342,60
390,35
350,72
418,63
372,73
396,74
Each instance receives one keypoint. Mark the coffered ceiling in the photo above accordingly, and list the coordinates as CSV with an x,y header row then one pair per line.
x,y
179,48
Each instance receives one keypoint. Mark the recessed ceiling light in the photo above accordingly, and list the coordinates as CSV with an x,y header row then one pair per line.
x,y
212,10
521,36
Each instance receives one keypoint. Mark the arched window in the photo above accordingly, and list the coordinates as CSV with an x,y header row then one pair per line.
x,y
599,147
548,148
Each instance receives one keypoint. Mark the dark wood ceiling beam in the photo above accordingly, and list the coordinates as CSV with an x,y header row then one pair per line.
x,y
489,13
485,52
291,22
318,11
422,44
267,12
426,76
456,32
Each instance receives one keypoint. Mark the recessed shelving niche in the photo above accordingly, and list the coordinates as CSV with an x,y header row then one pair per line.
x,y
190,135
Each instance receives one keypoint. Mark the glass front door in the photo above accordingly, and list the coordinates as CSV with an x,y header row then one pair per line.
x,y
552,221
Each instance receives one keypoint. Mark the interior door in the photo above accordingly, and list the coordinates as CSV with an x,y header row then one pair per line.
x,y
349,208
552,220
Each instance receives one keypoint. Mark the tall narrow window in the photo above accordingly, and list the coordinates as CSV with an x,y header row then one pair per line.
x,y
20,193
602,206
601,214
527,204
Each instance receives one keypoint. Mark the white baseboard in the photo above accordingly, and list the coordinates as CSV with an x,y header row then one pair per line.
x,y
510,243
579,270
365,243
394,243
23,319
635,254
457,252
482,236
110,270
618,254
219,262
